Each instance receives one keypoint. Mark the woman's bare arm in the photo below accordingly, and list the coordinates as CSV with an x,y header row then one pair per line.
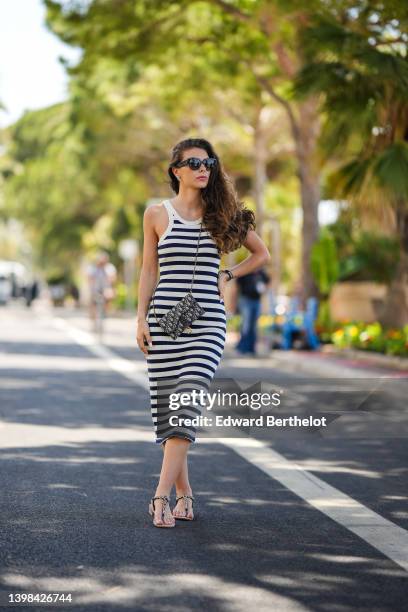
x,y
148,274
258,257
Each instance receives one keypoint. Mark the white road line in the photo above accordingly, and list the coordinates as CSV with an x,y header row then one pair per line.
x,y
134,371
382,534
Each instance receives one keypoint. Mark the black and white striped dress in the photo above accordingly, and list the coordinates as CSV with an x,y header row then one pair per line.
x,y
189,361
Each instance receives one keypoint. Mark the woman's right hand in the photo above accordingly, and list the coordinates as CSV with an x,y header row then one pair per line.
x,y
143,332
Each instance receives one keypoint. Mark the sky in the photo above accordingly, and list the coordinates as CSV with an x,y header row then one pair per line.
x,y
31,76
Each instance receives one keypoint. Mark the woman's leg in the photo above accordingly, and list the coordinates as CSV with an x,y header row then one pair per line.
x,y
175,451
182,483
183,488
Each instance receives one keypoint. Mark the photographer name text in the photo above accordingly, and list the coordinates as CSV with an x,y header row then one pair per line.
x,y
260,421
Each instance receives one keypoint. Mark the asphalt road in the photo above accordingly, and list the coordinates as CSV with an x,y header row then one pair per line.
x,y
79,464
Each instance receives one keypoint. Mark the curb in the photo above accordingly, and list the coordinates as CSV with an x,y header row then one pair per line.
x,y
369,357
328,361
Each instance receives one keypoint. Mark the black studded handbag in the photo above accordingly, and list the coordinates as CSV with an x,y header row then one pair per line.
x,y
182,314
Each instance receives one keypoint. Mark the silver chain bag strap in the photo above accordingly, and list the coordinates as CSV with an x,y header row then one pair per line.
x,y
182,314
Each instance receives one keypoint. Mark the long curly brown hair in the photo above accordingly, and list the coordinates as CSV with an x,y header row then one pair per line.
x,y
225,217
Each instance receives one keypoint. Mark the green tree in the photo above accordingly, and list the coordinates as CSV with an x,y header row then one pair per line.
x,y
357,63
213,42
47,185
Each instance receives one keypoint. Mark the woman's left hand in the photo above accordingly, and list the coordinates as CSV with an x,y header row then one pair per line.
x,y
222,281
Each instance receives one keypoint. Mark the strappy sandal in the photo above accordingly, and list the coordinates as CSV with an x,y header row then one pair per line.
x,y
152,509
185,518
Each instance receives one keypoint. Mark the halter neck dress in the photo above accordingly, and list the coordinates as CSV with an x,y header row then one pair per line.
x,y
189,361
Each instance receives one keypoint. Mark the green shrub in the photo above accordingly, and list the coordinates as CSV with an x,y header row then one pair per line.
x,y
372,337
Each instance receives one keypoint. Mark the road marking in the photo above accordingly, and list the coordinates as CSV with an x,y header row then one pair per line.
x,y
390,539
134,371
382,534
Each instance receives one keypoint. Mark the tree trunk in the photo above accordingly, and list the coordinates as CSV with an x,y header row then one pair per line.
x,y
260,177
305,128
395,313
308,128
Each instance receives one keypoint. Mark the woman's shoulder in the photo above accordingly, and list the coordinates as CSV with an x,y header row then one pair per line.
x,y
154,210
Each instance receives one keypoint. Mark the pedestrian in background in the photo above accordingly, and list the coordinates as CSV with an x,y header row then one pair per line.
x,y
251,287
31,292
102,277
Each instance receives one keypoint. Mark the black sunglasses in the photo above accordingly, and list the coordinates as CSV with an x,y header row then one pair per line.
x,y
194,163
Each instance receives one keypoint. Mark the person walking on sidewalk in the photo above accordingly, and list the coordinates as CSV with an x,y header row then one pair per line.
x,y
185,235
102,276
251,287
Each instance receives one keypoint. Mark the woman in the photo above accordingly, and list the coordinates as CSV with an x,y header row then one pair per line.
x,y
205,214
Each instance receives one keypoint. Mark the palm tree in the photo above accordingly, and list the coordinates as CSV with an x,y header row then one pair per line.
x,y
357,62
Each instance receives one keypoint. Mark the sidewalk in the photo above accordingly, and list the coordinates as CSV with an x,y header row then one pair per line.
x,y
328,361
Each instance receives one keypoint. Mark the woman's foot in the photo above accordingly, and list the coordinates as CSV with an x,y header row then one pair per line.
x,y
184,506
162,516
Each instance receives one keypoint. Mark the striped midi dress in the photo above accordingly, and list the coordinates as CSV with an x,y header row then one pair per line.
x,y
189,361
